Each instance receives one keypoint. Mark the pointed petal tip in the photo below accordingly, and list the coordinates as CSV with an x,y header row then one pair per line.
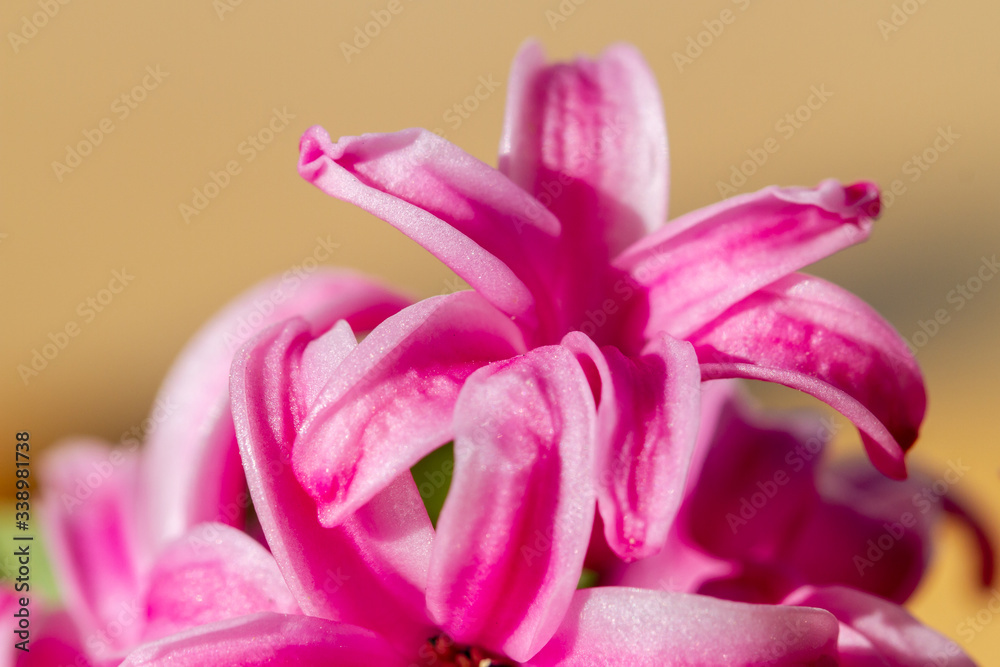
x,y
531,50
311,140
631,549
858,203
897,470
890,463
311,150
864,195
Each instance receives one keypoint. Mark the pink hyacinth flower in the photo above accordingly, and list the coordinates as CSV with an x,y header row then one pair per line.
x,y
566,248
384,588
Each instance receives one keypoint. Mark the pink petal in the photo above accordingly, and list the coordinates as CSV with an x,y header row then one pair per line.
x,y
515,526
9,604
857,537
463,211
54,640
647,426
984,543
88,513
682,566
191,470
876,535
371,570
268,639
51,638
390,402
891,633
807,334
213,573
588,139
757,484
716,398
639,628
727,251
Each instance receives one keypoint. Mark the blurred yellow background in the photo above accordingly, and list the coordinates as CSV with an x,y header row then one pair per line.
x,y
167,93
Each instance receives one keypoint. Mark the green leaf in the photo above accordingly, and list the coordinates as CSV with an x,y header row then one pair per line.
x,y
432,475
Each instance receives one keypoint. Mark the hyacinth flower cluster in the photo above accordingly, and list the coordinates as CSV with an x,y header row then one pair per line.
x,y
602,454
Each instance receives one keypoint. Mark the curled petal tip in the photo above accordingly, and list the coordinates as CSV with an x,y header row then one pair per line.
x,y
857,203
889,459
864,195
311,145
314,134
895,469
987,551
